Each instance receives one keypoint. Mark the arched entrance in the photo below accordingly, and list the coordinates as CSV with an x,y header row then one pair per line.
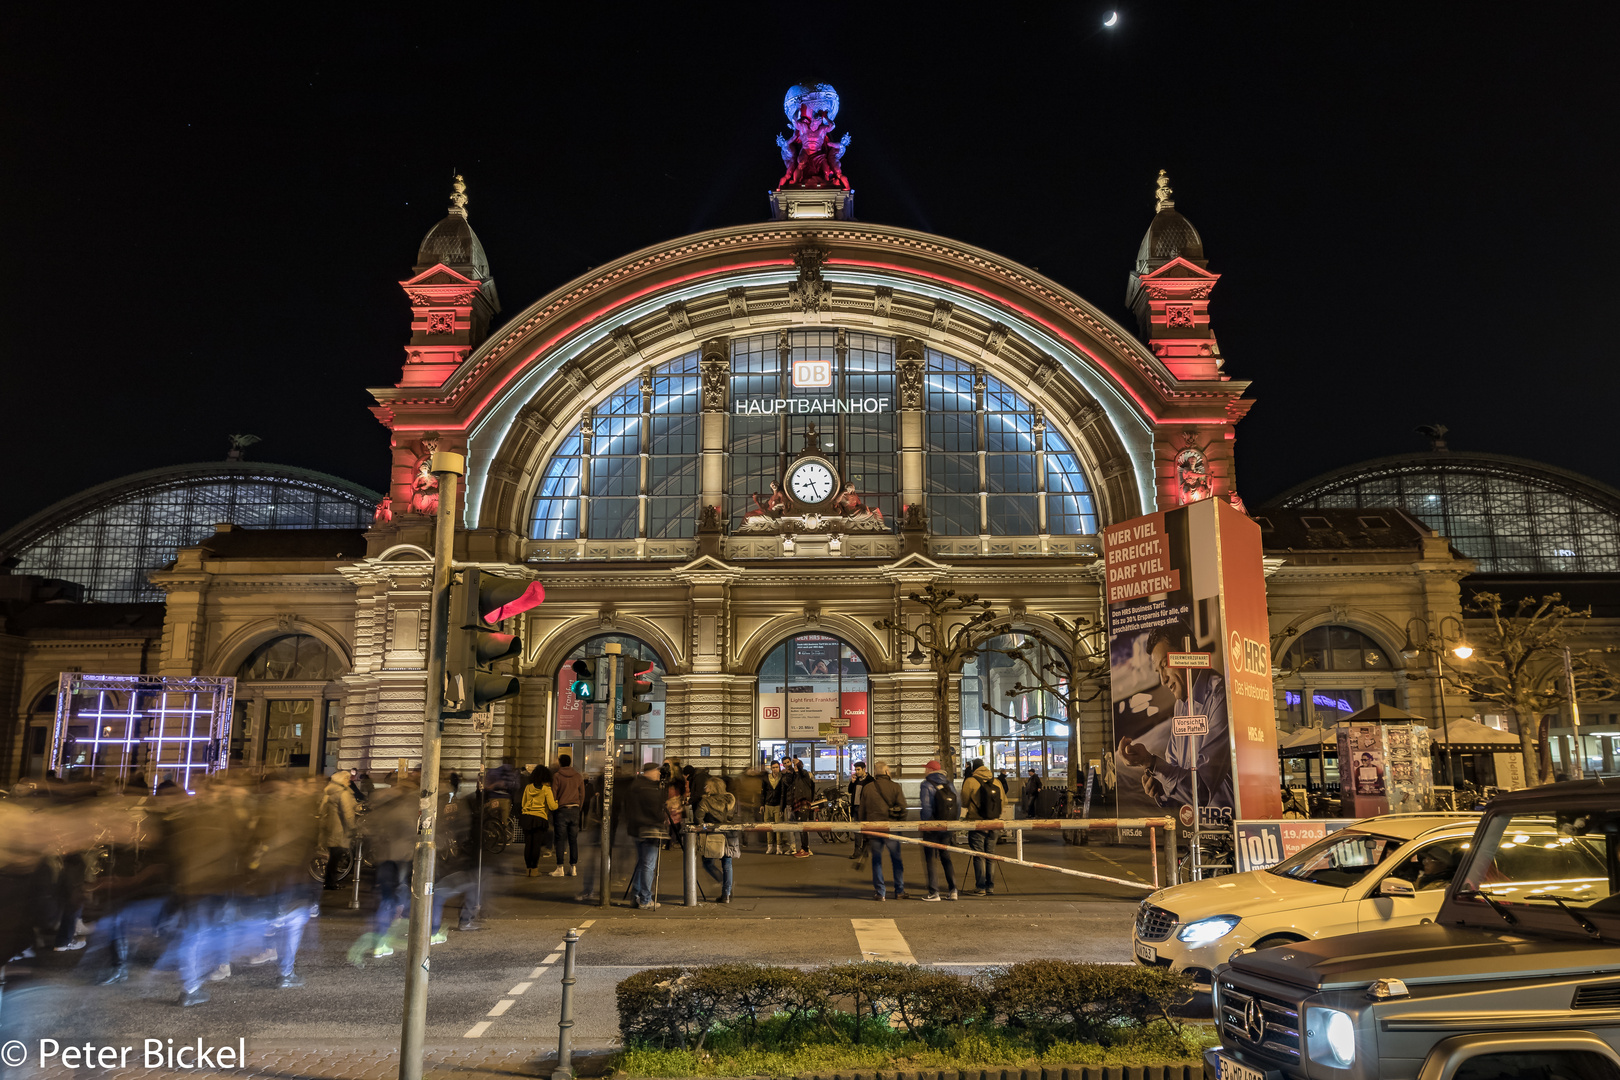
x,y
579,728
288,706
812,704
1017,730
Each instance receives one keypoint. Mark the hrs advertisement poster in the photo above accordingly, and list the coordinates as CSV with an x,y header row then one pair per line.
x,y
1188,637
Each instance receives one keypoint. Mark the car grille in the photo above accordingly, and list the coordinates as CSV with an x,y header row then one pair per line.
x,y
1606,996
1256,1022
1154,923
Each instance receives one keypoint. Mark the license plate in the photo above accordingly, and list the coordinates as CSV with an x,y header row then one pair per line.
x,y
1146,953
1236,1070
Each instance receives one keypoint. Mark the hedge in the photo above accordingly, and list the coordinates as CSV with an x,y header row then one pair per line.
x,y
759,1006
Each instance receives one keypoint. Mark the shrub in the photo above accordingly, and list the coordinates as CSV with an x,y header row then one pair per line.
x,y
763,1007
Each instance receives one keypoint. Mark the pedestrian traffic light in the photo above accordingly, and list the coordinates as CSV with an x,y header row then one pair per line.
x,y
478,601
637,691
590,679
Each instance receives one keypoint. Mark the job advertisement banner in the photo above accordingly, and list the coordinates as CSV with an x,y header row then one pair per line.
x,y
1187,638
1264,844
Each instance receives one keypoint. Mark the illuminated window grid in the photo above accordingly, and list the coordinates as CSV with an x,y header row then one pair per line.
x,y
179,726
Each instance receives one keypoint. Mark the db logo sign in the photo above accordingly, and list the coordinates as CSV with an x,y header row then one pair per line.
x,y
770,712
1187,816
812,373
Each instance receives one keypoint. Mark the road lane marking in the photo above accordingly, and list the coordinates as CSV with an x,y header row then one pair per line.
x,y
880,939
477,1029
587,924
500,1007
519,990
561,945
537,972
552,959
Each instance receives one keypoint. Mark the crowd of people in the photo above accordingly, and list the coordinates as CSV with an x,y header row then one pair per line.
x,y
229,876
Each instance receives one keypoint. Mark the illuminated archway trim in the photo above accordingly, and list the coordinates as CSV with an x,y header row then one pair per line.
x,y
778,630
233,652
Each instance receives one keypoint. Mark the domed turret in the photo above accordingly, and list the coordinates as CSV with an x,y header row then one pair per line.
x,y
453,242
1169,292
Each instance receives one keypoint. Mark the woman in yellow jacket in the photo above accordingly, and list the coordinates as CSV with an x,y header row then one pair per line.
x,y
538,803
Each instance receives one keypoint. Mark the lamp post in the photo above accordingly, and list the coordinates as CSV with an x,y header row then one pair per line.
x,y
944,648
1435,644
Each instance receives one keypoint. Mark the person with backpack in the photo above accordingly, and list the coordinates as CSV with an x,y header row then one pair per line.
x,y
939,802
718,807
981,801
800,793
882,800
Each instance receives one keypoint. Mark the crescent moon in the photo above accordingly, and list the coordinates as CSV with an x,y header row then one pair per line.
x,y
1112,19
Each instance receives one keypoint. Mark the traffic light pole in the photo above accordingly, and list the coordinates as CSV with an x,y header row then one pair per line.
x,y
610,751
448,468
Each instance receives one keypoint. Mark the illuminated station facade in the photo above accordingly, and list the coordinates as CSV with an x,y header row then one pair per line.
x,y
734,454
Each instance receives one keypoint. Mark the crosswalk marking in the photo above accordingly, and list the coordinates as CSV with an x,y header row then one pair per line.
x,y
500,1007
477,1029
880,939
520,989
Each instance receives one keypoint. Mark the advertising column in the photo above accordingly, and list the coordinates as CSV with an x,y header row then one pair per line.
x,y
1188,637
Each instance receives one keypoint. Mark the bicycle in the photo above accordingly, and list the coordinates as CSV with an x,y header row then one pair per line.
x,y
1217,855
832,808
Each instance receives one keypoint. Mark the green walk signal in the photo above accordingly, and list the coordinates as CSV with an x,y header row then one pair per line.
x,y
637,691
590,679
477,602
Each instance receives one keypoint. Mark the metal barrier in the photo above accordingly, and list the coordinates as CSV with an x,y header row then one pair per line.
x,y
894,829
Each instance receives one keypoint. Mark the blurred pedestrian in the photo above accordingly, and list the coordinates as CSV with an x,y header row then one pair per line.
x,y
501,786
718,807
569,788
772,791
338,815
857,784
646,819
883,801
539,801
390,834
801,793
938,801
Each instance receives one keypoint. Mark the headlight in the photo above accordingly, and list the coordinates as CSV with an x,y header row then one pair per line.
x,y
1330,1036
1204,931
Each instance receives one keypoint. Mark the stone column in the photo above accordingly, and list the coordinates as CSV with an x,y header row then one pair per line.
x,y
716,367
910,382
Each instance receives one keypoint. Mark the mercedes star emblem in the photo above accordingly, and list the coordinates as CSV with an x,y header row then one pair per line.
x,y
1254,1021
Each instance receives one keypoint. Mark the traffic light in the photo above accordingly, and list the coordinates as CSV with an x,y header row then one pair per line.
x,y
478,601
590,679
637,691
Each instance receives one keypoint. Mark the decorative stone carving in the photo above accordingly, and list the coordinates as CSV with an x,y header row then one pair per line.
x,y
419,299
677,316
1178,315
1046,368
910,377
607,617
1192,470
1087,415
625,342
737,300
714,385
940,321
996,339
575,375
882,298
812,615
1339,613
709,520
425,486
809,290
384,512
441,322
286,623
810,159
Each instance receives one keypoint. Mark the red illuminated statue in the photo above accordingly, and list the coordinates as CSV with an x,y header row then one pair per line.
x,y
849,505
810,158
425,489
774,507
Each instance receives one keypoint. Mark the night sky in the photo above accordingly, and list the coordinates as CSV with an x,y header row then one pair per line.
x,y
1409,205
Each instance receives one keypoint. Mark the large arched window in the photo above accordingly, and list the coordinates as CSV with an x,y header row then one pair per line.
x,y
288,713
812,704
993,465
1327,674
1023,730
579,728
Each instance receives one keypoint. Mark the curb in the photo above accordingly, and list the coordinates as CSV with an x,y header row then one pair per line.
x,y
1183,1070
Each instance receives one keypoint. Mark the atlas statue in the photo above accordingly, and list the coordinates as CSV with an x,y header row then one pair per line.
x,y
811,159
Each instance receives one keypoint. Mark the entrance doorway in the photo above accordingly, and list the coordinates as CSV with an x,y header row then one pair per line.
x,y
812,705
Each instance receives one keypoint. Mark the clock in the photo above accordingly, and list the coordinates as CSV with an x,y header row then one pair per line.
x,y
812,481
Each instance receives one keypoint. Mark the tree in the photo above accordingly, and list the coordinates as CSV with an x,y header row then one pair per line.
x,y
1519,665
944,640
1077,676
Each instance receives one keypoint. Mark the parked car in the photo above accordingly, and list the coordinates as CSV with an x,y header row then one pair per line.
x,y
1517,976
1379,872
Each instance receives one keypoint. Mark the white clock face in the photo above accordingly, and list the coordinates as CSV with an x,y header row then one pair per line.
x,y
811,482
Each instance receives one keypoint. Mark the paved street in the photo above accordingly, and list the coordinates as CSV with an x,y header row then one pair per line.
x,y
499,988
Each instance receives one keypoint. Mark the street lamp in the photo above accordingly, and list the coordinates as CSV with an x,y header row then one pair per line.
x,y
1436,644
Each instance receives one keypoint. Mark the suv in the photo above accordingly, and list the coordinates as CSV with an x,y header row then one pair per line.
x,y
1517,976
1380,872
